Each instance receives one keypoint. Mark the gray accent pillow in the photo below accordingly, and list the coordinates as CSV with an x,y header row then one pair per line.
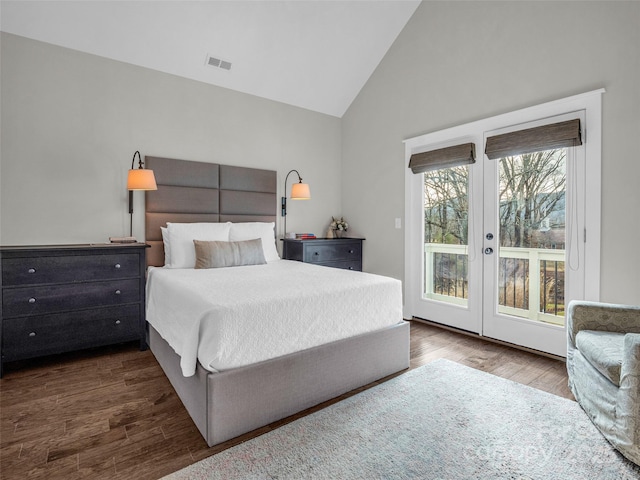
x,y
216,254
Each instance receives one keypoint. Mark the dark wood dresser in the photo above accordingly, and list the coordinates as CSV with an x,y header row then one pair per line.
x,y
332,252
59,298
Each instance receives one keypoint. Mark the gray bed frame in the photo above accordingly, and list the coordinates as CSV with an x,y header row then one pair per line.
x,y
227,404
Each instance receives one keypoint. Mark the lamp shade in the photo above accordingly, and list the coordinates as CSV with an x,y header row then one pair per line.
x,y
300,191
141,179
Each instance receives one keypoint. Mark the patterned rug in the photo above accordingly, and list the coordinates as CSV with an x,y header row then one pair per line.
x,y
440,421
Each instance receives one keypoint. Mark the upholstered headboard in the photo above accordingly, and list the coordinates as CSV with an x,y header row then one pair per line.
x,y
191,191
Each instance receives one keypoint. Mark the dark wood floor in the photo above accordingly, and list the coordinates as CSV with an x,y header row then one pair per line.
x,y
112,414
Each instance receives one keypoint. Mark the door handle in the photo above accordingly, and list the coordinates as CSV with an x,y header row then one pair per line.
x,y
488,251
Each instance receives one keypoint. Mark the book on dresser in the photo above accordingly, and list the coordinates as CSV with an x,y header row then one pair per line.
x,y
331,252
60,298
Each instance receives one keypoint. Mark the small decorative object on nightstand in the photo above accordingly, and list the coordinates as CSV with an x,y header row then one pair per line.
x,y
331,252
61,298
339,227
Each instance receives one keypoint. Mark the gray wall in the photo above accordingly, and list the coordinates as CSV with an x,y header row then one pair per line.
x,y
72,121
456,62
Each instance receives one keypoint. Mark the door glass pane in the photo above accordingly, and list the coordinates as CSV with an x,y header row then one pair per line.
x,y
531,259
446,214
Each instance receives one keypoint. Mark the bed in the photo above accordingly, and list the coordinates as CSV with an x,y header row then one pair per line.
x,y
257,380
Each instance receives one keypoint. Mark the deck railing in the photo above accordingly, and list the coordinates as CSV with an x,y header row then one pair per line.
x,y
537,297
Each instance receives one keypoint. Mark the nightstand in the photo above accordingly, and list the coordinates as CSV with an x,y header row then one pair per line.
x,y
331,252
60,298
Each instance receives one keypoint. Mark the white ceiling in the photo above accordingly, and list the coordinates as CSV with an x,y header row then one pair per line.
x,y
314,54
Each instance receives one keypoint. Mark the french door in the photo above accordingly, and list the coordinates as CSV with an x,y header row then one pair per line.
x,y
532,249
498,247
447,285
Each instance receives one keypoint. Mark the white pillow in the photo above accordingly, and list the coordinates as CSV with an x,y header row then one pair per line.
x,y
182,235
167,246
264,231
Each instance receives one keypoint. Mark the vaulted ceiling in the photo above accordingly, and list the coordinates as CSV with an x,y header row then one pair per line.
x,y
314,54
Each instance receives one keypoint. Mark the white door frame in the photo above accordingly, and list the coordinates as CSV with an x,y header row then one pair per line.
x,y
591,104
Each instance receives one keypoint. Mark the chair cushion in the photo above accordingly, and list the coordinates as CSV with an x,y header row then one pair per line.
x,y
603,350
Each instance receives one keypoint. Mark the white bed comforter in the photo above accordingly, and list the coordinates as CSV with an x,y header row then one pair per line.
x,y
231,317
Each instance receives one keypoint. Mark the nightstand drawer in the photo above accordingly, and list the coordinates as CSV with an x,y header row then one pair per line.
x,y
42,335
38,300
346,265
332,252
67,269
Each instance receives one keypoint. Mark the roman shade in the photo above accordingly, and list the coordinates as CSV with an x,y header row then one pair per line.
x,y
537,139
463,154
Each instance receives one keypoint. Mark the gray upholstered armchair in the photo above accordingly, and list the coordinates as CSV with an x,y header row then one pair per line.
x,y
603,362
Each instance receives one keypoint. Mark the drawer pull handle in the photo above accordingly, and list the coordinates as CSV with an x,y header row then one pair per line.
x,y
351,251
32,334
350,268
117,265
118,292
117,322
32,300
32,270
316,253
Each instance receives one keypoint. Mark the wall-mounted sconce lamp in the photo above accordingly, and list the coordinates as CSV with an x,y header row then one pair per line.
x,y
139,179
299,191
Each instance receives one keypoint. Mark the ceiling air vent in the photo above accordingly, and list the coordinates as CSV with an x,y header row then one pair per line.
x,y
218,63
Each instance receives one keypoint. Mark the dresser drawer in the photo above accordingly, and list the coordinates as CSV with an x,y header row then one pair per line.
x,y
60,298
43,335
63,269
323,253
38,300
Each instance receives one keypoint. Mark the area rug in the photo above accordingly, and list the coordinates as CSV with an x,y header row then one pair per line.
x,y
439,421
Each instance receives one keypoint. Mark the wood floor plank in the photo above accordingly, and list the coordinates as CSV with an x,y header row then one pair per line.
x,y
127,413
142,452
111,413
33,454
84,426
99,471
15,394
110,442
67,466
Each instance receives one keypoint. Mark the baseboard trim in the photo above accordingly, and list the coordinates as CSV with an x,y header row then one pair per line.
x,y
486,339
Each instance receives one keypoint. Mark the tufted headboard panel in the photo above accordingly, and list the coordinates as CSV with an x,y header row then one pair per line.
x,y
191,191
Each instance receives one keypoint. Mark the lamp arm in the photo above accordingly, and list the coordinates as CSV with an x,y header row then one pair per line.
x,y
134,159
